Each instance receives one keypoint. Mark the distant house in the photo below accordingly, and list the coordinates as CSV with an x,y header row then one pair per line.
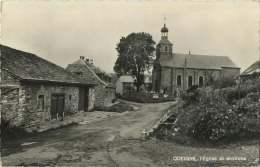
x,y
114,78
34,90
105,89
174,72
126,83
252,70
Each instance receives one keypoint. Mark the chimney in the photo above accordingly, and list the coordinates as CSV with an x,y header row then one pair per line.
x,y
82,57
91,61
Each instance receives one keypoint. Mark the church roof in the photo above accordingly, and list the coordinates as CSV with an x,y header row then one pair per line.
x,y
198,61
255,67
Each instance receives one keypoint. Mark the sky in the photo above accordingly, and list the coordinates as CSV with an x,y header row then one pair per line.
x,y
62,31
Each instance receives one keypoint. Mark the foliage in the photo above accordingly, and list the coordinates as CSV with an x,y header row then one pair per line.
x,y
224,83
135,56
192,88
215,114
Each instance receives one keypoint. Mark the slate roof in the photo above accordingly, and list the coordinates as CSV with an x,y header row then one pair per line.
x,y
95,70
30,67
198,61
255,67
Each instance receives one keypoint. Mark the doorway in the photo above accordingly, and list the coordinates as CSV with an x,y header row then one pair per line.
x,y
57,106
83,99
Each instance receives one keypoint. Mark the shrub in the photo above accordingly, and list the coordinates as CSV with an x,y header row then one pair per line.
x,y
192,89
210,117
114,100
224,83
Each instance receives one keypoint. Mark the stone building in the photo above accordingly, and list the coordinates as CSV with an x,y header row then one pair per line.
x,y
177,72
126,82
34,90
105,89
252,71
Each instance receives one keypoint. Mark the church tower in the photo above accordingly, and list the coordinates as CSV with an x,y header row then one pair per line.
x,y
164,47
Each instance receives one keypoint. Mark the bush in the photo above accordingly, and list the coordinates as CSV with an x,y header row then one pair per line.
x,y
218,120
192,89
114,100
224,83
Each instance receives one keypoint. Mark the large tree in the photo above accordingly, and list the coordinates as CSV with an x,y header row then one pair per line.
x,y
135,56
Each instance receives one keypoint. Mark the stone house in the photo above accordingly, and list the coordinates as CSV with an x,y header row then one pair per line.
x,y
34,90
126,82
173,72
105,89
251,71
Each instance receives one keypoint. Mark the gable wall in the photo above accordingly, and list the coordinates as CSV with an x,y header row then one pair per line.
x,y
100,88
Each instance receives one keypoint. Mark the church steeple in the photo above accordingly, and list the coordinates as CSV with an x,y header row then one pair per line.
x,y
164,47
164,32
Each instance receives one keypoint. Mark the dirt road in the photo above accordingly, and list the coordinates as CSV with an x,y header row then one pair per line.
x,y
110,142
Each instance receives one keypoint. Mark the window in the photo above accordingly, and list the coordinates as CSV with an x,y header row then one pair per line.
x,y
201,82
79,73
189,81
106,94
166,48
40,102
70,97
178,80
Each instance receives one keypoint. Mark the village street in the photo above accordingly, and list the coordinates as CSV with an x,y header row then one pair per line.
x,y
105,143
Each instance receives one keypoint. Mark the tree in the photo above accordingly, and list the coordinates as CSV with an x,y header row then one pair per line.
x,y
135,56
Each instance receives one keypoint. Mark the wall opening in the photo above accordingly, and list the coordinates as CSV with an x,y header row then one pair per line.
x,y
178,80
201,81
189,81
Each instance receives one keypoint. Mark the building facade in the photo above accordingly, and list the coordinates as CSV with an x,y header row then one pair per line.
x,y
173,72
126,83
105,89
34,90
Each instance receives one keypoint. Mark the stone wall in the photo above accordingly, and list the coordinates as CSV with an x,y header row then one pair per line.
x,y
28,112
109,95
91,98
169,78
9,106
230,72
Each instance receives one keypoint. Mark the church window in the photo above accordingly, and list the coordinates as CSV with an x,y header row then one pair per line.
x,y
166,48
201,82
178,80
189,81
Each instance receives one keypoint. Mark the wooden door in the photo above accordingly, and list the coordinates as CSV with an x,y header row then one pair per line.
x,y
57,106
83,99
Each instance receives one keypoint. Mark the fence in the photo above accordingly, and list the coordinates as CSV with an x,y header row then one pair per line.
x,y
143,97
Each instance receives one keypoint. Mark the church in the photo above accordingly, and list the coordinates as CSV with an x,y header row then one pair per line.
x,y
174,72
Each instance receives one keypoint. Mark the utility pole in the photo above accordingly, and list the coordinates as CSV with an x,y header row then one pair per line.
x,y
185,69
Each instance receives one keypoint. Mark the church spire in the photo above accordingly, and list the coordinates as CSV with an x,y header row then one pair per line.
x,y
164,30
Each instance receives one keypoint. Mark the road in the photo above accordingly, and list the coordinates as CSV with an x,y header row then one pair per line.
x,y
110,142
